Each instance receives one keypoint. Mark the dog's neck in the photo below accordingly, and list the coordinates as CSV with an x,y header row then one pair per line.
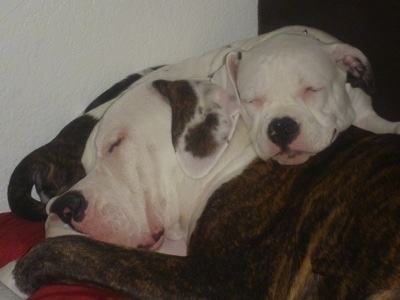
x,y
193,199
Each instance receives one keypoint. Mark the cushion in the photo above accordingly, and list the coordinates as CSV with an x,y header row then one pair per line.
x,y
373,27
17,235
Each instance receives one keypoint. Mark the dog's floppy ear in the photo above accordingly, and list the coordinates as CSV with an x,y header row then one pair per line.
x,y
226,76
357,66
231,65
204,116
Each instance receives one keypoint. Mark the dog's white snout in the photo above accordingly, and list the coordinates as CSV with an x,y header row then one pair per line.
x,y
283,131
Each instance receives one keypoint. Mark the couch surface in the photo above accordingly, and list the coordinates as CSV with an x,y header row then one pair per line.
x,y
17,235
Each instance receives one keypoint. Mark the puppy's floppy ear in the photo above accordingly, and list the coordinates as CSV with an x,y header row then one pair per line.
x,y
231,65
226,76
359,74
357,66
204,116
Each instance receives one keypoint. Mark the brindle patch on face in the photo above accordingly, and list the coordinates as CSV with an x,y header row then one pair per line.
x,y
200,140
183,101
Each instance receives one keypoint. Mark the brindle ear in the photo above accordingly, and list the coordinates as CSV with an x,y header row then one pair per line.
x,y
357,66
204,116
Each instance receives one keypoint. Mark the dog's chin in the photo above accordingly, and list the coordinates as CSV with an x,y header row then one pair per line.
x,y
292,157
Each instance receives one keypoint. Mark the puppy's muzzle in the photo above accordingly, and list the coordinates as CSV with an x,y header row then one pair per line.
x,y
283,131
70,206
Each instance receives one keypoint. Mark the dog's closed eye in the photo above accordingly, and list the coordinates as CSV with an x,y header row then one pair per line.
x,y
115,144
310,92
256,102
247,100
312,89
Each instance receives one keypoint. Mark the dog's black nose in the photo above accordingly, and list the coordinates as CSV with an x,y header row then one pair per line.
x,y
71,205
283,131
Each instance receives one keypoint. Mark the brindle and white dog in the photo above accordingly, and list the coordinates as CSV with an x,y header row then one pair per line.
x,y
294,105
326,229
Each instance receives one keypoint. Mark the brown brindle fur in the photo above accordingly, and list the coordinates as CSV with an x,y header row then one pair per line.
x,y
182,98
326,229
183,101
52,169
199,139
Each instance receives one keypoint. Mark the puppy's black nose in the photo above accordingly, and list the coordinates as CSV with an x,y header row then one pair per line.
x,y
71,205
283,131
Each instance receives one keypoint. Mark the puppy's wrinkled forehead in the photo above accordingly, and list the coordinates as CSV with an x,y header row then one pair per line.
x,y
290,46
285,61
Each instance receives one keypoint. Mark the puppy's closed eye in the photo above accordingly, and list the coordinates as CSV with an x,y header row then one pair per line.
x,y
115,144
312,89
256,102
310,92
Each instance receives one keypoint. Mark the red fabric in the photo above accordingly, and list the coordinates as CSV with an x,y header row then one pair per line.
x,y
72,292
17,235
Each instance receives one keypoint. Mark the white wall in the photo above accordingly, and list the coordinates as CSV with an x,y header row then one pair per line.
x,y
58,55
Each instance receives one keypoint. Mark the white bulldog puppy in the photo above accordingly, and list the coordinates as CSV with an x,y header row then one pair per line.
x,y
299,88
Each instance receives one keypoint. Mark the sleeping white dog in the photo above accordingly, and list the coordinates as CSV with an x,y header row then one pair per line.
x,y
299,88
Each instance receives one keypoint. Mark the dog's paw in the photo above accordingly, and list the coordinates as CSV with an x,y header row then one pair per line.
x,y
7,278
